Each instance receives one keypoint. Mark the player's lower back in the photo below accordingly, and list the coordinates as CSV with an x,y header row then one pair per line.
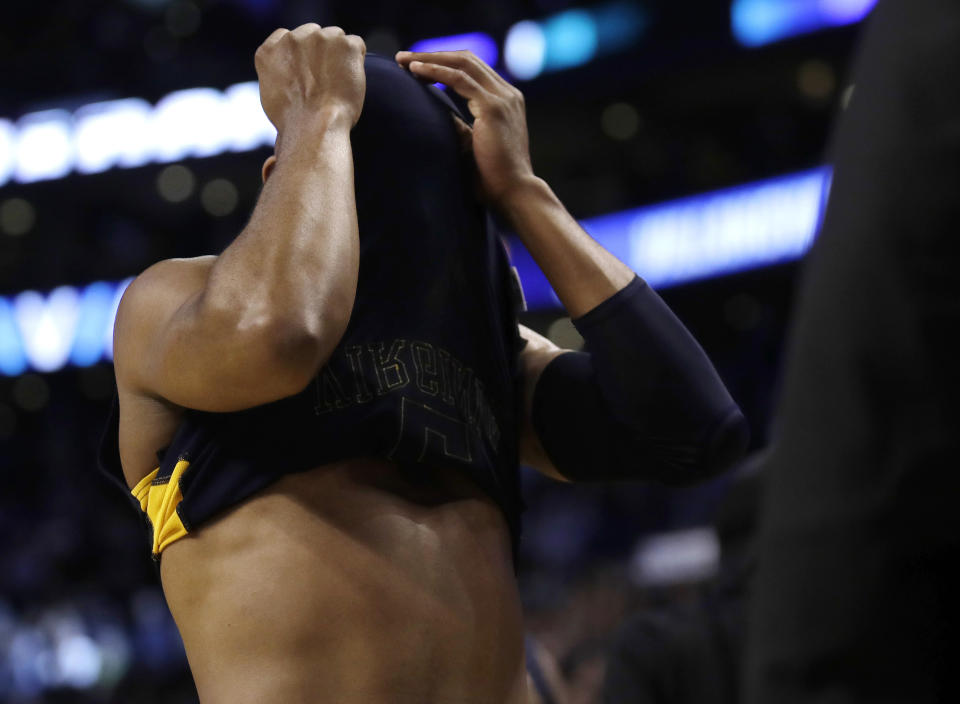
x,y
352,582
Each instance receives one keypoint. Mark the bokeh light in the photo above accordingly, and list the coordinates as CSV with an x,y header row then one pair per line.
x,y
176,183
17,217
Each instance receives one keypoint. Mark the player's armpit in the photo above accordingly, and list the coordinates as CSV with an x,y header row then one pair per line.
x,y
171,343
536,355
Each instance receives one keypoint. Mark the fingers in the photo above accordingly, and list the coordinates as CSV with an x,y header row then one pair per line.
x,y
465,61
464,133
274,37
331,31
306,30
311,28
358,43
311,68
268,43
459,80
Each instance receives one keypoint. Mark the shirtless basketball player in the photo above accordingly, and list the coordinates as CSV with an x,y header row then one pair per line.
x,y
336,506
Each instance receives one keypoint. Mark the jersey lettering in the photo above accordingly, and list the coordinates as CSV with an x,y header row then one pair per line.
x,y
354,354
390,370
330,395
425,363
359,374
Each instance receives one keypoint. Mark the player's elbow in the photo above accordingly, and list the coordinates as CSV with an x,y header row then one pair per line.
x,y
291,356
724,445
282,350
297,351
677,459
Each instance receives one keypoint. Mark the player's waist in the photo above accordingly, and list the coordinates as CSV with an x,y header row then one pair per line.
x,y
405,518
343,555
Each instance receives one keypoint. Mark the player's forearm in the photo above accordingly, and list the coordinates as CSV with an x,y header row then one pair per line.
x,y
644,401
645,390
297,259
582,273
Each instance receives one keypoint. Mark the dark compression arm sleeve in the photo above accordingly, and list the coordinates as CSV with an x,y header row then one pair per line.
x,y
644,401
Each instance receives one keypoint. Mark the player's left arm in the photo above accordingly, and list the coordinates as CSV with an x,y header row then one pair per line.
x,y
631,408
643,400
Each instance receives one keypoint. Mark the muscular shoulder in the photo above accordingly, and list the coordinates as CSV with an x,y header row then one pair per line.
x,y
151,298
147,421
165,277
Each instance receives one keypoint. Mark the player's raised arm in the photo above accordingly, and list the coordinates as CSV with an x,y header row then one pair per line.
x,y
644,401
254,324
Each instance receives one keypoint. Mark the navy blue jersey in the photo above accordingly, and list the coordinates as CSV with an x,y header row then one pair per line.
x,y
427,370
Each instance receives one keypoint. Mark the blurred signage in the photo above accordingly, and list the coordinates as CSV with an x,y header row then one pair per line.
x,y
702,236
201,122
571,38
196,122
672,243
759,22
69,325
483,45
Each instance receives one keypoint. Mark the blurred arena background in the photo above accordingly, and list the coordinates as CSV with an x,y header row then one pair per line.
x,y
687,136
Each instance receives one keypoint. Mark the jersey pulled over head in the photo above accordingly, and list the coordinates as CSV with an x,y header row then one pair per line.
x,y
426,372
415,204
406,152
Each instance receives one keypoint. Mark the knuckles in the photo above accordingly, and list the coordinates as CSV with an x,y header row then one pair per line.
x,y
309,34
310,66
304,30
497,107
466,57
357,43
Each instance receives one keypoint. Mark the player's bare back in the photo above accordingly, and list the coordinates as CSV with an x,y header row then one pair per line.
x,y
348,583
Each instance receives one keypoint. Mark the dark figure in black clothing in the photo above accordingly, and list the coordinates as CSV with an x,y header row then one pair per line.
x,y
691,654
856,591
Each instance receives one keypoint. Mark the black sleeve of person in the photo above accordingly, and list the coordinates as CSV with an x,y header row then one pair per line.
x,y
644,401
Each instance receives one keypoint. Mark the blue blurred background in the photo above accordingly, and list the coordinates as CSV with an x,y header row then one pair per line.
x,y
688,137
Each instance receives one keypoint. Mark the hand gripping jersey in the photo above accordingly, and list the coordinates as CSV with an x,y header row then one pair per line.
x,y
427,371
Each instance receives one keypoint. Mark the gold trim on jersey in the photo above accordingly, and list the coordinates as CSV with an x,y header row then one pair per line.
x,y
159,500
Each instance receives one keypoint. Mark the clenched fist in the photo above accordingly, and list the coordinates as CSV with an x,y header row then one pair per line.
x,y
311,74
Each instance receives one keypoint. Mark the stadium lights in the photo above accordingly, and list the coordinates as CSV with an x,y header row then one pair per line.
x,y
571,38
196,122
68,325
759,22
201,122
692,238
483,45
702,236
679,557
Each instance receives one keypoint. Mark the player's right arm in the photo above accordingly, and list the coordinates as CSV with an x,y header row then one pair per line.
x,y
254,324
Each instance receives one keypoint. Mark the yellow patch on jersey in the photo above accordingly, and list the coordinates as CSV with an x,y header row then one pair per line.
x,y
159,500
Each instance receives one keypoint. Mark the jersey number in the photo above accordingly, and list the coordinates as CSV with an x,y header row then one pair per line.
x,y
426,432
